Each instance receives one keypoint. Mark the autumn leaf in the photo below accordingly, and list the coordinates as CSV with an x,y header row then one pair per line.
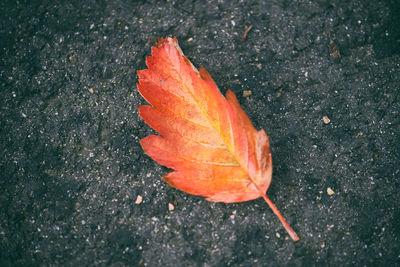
x,y
206,138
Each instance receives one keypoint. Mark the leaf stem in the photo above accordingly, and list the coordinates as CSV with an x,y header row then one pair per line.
x,y
289,229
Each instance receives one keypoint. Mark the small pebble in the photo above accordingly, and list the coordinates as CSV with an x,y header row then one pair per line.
x,y
91,90
330,191
247,93
171,207
278,235
326,119
139,200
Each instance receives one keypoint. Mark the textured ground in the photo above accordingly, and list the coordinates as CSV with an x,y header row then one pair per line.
x,y
71,166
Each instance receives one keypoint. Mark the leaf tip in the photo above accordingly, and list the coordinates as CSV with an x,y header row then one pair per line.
x,y
167,39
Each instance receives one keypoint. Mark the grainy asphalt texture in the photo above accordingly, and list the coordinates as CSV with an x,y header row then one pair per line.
x,y
71,166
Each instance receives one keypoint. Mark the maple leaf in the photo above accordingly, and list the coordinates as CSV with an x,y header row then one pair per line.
x,y
206,138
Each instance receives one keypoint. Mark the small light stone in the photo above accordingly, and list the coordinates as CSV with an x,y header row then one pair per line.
x,y
139,200
91,90
330,191
171,207
247,93
278,235
326,119
323,245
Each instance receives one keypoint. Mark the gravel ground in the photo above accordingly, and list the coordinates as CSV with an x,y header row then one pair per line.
x,y
324,77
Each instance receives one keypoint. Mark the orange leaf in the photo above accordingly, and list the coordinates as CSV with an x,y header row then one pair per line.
x,y
205,137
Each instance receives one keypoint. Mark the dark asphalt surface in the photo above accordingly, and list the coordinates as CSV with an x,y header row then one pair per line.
x,y
72,168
